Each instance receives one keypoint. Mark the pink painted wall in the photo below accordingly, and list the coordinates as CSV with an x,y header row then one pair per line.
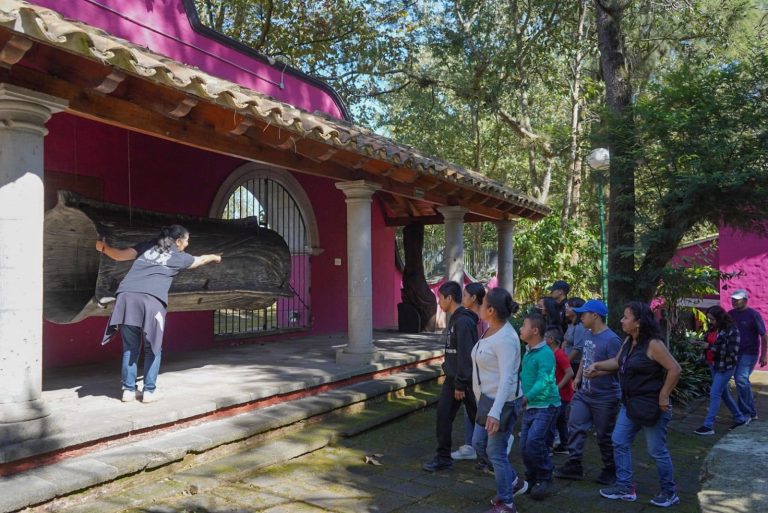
x,y
160,174
699,254
748,254
163,26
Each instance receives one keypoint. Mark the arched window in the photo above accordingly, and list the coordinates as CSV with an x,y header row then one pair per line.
x,y
278,201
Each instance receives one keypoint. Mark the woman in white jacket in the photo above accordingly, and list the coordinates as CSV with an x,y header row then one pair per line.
x,y
495,383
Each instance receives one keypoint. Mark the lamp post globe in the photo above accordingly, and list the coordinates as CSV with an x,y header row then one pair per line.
x,y
600,159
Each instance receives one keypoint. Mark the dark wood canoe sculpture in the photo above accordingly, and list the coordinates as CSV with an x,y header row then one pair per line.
x,y
253,273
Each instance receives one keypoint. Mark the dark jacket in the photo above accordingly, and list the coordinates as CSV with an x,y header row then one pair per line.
x,y
460,338
726,348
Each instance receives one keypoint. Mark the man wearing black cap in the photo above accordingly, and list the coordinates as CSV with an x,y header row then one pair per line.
x,y
559,292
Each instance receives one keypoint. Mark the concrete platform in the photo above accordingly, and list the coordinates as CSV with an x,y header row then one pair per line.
x,y
194,387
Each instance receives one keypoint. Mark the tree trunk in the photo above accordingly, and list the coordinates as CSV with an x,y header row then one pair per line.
x,y
416,291
619,135
573,181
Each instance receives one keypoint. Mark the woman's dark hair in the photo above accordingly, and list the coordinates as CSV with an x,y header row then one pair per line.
x,y
722,319
575,302
477,290
551,311
451,289
168,236
649,328
501,301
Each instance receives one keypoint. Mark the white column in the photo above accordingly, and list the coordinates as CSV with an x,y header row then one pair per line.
x,y
505,274
453,217
23,114
360,349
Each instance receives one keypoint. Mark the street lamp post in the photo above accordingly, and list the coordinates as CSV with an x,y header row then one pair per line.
x,y
600,160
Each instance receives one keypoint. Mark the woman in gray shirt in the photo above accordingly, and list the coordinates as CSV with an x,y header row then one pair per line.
x,y
142,298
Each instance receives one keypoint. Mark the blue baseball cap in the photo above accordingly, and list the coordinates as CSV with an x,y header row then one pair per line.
x,y
593,305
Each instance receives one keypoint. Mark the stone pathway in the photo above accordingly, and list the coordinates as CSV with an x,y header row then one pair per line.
x,y
336,479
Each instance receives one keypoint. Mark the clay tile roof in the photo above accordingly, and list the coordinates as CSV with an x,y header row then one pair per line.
x,y
49,27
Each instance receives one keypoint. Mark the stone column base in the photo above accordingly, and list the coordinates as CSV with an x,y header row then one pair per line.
x,y
345,358
13,413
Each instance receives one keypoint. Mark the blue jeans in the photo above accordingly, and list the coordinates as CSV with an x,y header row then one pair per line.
x,y
744,367
133,336
560,425
469,425
537,423
719,390
655,440
496,449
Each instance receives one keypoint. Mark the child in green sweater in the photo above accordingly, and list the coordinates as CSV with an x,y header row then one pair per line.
x,y
542,400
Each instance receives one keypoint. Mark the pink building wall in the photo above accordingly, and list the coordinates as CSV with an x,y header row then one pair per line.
x,y
160,175
699,254
163,27
748,254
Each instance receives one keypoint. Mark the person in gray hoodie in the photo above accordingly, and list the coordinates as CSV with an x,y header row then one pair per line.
x,y
460,337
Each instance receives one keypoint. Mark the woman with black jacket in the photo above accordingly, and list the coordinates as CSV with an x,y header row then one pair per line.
x,y
721,350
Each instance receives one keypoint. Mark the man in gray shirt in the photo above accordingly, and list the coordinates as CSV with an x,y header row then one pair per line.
x,y
596,401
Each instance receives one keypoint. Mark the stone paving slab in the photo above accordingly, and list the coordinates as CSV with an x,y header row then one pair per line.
x,y
85,401
335,479
47,482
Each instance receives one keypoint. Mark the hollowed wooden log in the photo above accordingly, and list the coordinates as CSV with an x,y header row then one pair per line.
x,y
254,271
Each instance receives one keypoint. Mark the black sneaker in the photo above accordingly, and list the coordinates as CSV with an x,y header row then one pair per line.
x,y
560,449
738,424
704,431
571,470
436,465
541,490
520,487
665,500
607,476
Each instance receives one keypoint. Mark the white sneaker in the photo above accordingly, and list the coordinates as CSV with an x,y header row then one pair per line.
x,y
510,443
149,397
128,396
465,452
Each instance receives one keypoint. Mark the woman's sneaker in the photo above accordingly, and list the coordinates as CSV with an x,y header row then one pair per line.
x,y
465,452
665,500
128,396
704,431
149,397
616,493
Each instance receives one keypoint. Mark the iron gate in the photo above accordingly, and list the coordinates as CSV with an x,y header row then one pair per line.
x,y
271,203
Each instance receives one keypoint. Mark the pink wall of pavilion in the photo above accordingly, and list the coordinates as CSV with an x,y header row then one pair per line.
x,y
163,27
173,178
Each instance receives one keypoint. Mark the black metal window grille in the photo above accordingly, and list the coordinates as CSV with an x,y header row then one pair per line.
x,y
275,208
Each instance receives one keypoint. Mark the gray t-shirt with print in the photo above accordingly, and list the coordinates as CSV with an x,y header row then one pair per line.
x,y
153,271
603,346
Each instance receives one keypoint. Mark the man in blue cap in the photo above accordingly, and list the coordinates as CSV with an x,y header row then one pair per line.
x,y
596,401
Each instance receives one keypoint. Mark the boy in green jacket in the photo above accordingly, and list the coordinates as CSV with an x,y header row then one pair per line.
x,y
542,400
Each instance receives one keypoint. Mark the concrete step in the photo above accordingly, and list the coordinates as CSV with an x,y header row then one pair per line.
x,y
264,437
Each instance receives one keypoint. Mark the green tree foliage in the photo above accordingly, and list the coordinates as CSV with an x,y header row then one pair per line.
x,y
544,252
516,90
351,44
703,153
